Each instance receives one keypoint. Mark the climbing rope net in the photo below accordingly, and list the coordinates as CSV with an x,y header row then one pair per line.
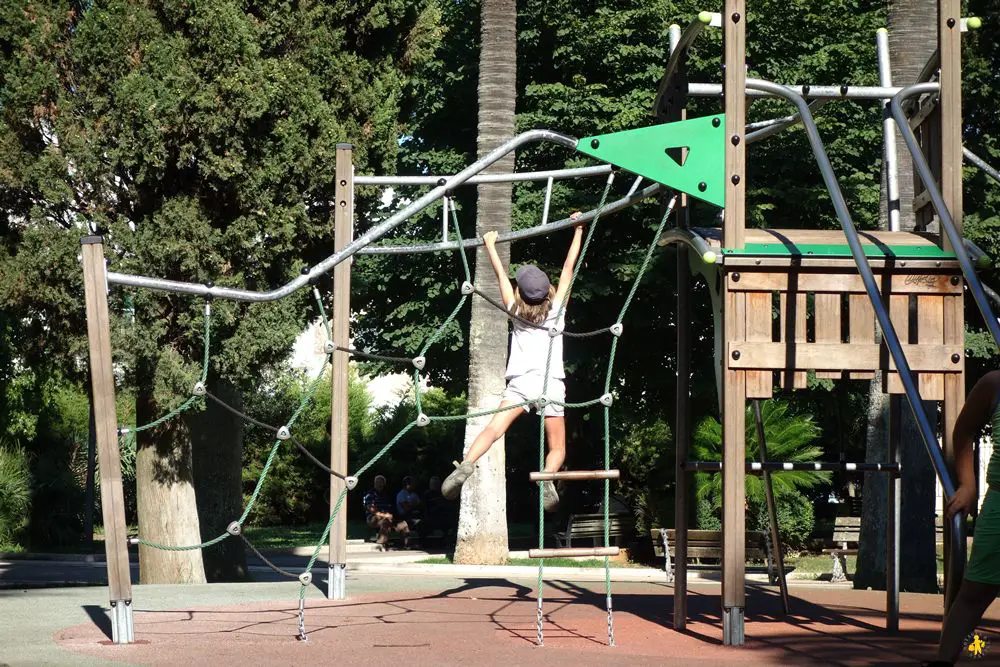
x,y
285,432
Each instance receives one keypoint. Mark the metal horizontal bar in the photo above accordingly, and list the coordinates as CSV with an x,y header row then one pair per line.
x,y
369,237
537,230
981,163
573,475
768,128
806,91
570,552
555,174
781,466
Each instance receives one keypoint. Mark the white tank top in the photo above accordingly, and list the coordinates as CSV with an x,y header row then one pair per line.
x,y
529,347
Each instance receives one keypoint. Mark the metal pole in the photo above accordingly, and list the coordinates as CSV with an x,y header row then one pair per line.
x,y
548,200
769,128
772,511
888,133
807,91
106,426
343,231
444,219
757,467
373,234
674,36
554,174
892,538
889,337
981,163
944,215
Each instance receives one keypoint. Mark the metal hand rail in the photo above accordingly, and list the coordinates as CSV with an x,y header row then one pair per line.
x,y
889,336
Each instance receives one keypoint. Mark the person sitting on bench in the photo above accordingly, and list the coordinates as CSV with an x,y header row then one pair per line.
x,y
378,513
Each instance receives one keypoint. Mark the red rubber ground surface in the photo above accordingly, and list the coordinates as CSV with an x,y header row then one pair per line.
x,y
492,623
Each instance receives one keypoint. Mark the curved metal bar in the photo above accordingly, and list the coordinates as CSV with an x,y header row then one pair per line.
x,y
365,239
807,91
981,163
537,230
944,215
700,245
889,336
769,128
554,174
677,55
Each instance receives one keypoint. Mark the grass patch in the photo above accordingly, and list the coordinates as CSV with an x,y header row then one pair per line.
x,y
287,537
533,562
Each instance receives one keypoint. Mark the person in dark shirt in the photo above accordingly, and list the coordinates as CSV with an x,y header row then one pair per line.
x,y
378,513
438,513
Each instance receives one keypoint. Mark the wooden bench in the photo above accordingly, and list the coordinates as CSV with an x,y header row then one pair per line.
x,y
591,526
702,544
846,533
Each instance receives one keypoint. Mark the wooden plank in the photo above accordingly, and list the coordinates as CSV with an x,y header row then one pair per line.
x,y
714,237
899,314
738,262
850,283
950,45
841,356
930,331
827,317
793,330
760,384
954,399
734,97
734,457
861,327
106,420
573,475
682,435
343,232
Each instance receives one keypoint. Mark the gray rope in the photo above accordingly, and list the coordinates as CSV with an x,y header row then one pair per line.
x,y
240,414
262,557
532,325
309,455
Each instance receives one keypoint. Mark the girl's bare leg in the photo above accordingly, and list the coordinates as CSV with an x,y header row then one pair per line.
x,y
966,611
555,436
495,430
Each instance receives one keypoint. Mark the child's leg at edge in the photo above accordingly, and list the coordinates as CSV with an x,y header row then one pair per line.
x,y
966,611
495,430
555,437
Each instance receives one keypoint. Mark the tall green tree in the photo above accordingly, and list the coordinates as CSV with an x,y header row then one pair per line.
x,y
199,139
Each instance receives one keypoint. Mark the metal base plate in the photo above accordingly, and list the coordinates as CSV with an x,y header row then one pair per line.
x,y
732,626
122,631
336,583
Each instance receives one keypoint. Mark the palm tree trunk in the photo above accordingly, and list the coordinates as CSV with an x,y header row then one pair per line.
x,y
911,42
482,523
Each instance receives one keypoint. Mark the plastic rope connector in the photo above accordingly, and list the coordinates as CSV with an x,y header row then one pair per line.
x,y
133,541
467,288
616,329
423,420
542,402
306,578
351,482
607,400
123,431
420,362
329,347
553,332
199,389
234,528
284,433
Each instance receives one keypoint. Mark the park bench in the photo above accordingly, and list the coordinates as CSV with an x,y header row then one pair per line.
x,y
707,544
591,526
846,532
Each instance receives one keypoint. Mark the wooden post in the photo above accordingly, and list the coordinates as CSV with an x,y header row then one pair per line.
x,y
950,46
343,233
734,326
106,427
682,433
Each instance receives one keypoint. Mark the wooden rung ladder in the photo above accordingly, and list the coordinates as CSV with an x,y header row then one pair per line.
x,y
573,475
571,552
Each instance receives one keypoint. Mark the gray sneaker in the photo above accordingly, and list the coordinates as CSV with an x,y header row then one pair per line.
x,y
452,484
550,498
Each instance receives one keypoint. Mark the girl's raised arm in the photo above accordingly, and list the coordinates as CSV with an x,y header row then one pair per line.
x,y
562,292
506,289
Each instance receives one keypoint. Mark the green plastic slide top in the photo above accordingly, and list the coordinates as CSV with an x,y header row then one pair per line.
x,y
655,153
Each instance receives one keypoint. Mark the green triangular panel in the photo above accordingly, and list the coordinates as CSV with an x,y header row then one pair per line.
x,y
646,152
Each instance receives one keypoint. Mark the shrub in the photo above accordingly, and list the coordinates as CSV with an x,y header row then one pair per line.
x,y
15,496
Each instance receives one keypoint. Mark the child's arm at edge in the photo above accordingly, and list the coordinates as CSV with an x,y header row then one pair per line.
x,y
562,292
506,289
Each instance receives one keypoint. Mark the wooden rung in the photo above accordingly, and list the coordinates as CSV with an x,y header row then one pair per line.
x,y
573,475
568,552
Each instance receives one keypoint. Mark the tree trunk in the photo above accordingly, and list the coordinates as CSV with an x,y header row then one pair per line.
x,y
166,504
217,441
912,40
482,523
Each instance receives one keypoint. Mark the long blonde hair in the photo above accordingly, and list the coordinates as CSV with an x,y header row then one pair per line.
x,y
533,312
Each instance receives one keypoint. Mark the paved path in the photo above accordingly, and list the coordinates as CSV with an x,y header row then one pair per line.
x,y
444,620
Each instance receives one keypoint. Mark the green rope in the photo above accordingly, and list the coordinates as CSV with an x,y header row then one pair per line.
x,y
482,413
191,399
322,313
323,538
416,391
437,334
388,446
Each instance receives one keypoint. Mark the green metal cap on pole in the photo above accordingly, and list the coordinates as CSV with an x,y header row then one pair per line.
x,y
655,153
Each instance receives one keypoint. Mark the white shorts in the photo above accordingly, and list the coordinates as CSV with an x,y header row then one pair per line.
x,y
529,388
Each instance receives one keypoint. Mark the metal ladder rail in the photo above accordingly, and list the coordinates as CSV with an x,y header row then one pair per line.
x,y
944,215
889,336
